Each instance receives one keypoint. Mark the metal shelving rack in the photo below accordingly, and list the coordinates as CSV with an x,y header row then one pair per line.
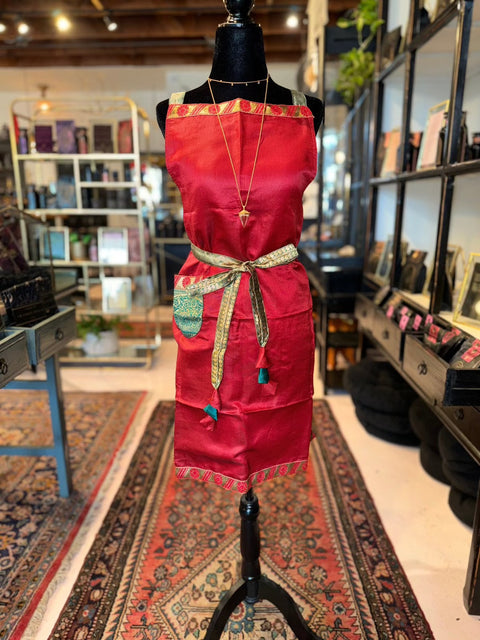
x,y
87,112
430,208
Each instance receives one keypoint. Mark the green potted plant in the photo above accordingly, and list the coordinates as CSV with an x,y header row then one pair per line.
x,y
358,64
99,334
79,245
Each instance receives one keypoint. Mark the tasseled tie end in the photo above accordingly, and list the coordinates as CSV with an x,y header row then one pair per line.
x,y
209,421
262,366
263,377
211,411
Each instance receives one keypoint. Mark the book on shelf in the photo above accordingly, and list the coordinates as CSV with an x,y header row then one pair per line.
x,y
103,138
125,139
66,142
43,138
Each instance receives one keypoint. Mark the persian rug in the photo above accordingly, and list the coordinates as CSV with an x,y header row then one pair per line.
x,y
169,549
37,527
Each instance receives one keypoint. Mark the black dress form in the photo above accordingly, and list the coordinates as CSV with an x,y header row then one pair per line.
x,y
240,57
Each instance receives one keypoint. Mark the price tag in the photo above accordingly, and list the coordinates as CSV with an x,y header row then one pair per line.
x,y
417,322
403,322
390,311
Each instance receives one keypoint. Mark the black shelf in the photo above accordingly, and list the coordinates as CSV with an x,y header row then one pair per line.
x,y
429,216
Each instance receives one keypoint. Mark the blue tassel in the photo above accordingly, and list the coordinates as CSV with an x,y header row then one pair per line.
x,y
263,376
212,412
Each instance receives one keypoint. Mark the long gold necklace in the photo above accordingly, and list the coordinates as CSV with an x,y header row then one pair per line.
x,y
244,214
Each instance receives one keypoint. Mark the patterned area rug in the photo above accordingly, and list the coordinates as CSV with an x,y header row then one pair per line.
x,y
37,527
169,549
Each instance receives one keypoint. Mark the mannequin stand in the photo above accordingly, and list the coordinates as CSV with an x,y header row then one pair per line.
x,y
254,586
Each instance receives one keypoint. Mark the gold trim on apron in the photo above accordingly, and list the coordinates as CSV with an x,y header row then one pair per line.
x,y
230,281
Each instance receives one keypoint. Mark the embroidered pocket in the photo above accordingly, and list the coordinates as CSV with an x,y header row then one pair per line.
x,y
187,309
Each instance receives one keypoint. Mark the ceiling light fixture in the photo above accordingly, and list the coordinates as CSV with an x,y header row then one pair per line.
x,y
3,27
22,28
292,21
110,24
43,104
62,23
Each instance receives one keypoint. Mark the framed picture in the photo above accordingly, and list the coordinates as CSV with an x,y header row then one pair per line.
x,y
55,244
112,245
427,156
390,164
66,196
468,306
116,295
390,45
385,262
374,256
66,142
102,134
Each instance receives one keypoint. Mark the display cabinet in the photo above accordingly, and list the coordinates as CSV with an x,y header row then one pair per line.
x,y
77,167
421,301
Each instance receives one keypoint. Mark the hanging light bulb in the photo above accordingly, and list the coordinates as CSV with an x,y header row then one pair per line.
x,y
43,105
110,24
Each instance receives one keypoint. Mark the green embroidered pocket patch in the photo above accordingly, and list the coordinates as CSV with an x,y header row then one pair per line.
x,y
187,309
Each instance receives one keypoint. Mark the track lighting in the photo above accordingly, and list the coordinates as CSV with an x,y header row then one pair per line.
x,y
109,23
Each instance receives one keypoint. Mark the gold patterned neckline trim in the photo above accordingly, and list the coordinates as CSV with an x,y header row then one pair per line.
x,y
237,105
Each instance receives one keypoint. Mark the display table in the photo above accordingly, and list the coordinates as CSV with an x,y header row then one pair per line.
x,y
453,394
23,347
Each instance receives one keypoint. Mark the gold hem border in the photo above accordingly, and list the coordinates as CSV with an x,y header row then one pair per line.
x,y
234,484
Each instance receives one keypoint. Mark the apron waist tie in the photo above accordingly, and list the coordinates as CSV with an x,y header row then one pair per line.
x,y
229,281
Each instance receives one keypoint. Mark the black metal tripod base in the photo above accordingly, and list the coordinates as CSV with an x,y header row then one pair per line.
x,y
267,590
254,586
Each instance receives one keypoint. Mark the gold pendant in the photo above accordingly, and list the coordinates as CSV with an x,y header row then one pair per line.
x,y
244,215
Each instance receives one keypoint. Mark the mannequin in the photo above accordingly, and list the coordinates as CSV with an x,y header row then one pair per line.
x,y
239,56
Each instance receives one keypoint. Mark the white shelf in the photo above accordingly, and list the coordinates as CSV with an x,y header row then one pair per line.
x,y
82,157
81,212
107,185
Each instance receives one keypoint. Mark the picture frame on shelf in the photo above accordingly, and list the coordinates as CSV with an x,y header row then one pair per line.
x,y
55,244
103,137
66,141
467,310
427,155
112,245
116,295
414,272
384,265
390,163
391,45
66,197
374,256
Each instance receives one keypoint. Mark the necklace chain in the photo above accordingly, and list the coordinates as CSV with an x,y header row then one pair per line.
x,y
244,213
245,82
